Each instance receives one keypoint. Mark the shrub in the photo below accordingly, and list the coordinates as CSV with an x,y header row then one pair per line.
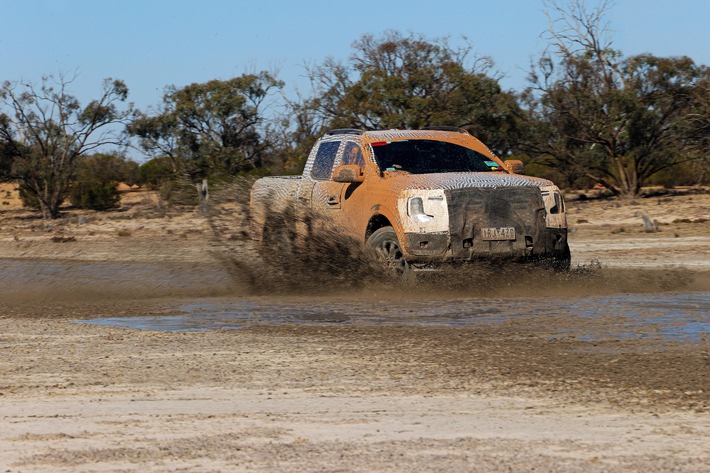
x,y
95,195
179,192
155,172
29,199
94,186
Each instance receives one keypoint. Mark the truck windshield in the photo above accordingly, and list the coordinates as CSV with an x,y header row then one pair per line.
x,y
430,156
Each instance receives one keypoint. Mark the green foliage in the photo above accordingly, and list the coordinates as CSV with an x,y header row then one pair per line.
x,y
622,128
94,186
210,129
7,153
5,163
295,135
154,172
692,173
29,198
95,195
107,167
592,115
398,81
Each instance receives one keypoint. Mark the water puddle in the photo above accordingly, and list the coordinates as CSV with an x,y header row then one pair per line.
x,y
672,316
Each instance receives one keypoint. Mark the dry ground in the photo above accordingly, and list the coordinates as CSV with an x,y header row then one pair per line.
x,y
511,396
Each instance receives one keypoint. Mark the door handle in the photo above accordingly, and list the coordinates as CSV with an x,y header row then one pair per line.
x,y
333,199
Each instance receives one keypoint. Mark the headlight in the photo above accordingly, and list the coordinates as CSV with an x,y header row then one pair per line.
x,y
415,209
423,211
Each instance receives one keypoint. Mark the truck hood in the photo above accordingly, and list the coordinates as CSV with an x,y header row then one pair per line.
x,y
402,180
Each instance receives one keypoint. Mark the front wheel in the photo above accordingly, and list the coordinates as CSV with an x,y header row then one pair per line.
x,y
385,245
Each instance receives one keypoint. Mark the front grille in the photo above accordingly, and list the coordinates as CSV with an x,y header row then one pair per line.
x,y
472,209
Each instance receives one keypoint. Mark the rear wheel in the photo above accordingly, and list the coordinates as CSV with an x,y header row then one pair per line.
x,y
385,245
560,262
563,262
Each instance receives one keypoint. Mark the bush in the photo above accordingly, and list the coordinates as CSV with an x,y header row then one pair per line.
x,y
107,168
95,195
685,174
155,172
29,199
179,192
94,186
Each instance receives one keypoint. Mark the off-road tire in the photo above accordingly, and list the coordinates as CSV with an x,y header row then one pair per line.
x,y
385,245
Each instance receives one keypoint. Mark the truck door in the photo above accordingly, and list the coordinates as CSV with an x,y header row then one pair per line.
x,y
331,195
325,195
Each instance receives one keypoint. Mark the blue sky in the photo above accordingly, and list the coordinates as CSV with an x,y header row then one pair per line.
x,y
153,43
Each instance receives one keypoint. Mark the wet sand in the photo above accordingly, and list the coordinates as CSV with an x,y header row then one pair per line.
x,y
511,396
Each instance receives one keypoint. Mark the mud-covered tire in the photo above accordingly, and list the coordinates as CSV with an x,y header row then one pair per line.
x,y
386,248
563,261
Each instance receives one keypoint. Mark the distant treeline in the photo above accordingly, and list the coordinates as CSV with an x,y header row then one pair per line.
x,y
590,116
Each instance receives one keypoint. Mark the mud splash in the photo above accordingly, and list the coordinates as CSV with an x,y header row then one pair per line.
x,y
301,253
295,251
301,256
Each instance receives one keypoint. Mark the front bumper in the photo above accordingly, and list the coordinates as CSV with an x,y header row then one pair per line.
x,y
423,247
471,210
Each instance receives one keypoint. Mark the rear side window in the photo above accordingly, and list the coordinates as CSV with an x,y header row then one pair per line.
x,y
325,158
353,154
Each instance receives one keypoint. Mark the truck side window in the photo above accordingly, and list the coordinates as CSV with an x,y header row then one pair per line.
x,y
325,158
353,154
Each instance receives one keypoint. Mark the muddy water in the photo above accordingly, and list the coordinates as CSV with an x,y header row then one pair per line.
x,y
670,316
587,303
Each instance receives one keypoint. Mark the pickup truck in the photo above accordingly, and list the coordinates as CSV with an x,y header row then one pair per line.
x,y
421,199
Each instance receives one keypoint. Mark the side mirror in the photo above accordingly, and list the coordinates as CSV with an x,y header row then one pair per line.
x,y
515,166
348,173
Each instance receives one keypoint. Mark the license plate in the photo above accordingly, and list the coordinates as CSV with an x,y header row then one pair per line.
x,y
498,233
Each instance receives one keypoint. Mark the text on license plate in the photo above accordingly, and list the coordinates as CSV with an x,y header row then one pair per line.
x,y
498,233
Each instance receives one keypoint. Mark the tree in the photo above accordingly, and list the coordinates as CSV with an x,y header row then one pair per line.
x,y
210,129
47,131
698,129
616,121
398,81
293,136
108,167
6,156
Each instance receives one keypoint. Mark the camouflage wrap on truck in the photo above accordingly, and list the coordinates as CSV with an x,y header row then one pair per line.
x,y
424,197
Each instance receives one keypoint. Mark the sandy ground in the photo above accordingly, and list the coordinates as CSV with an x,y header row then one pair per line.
x,y
514,396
